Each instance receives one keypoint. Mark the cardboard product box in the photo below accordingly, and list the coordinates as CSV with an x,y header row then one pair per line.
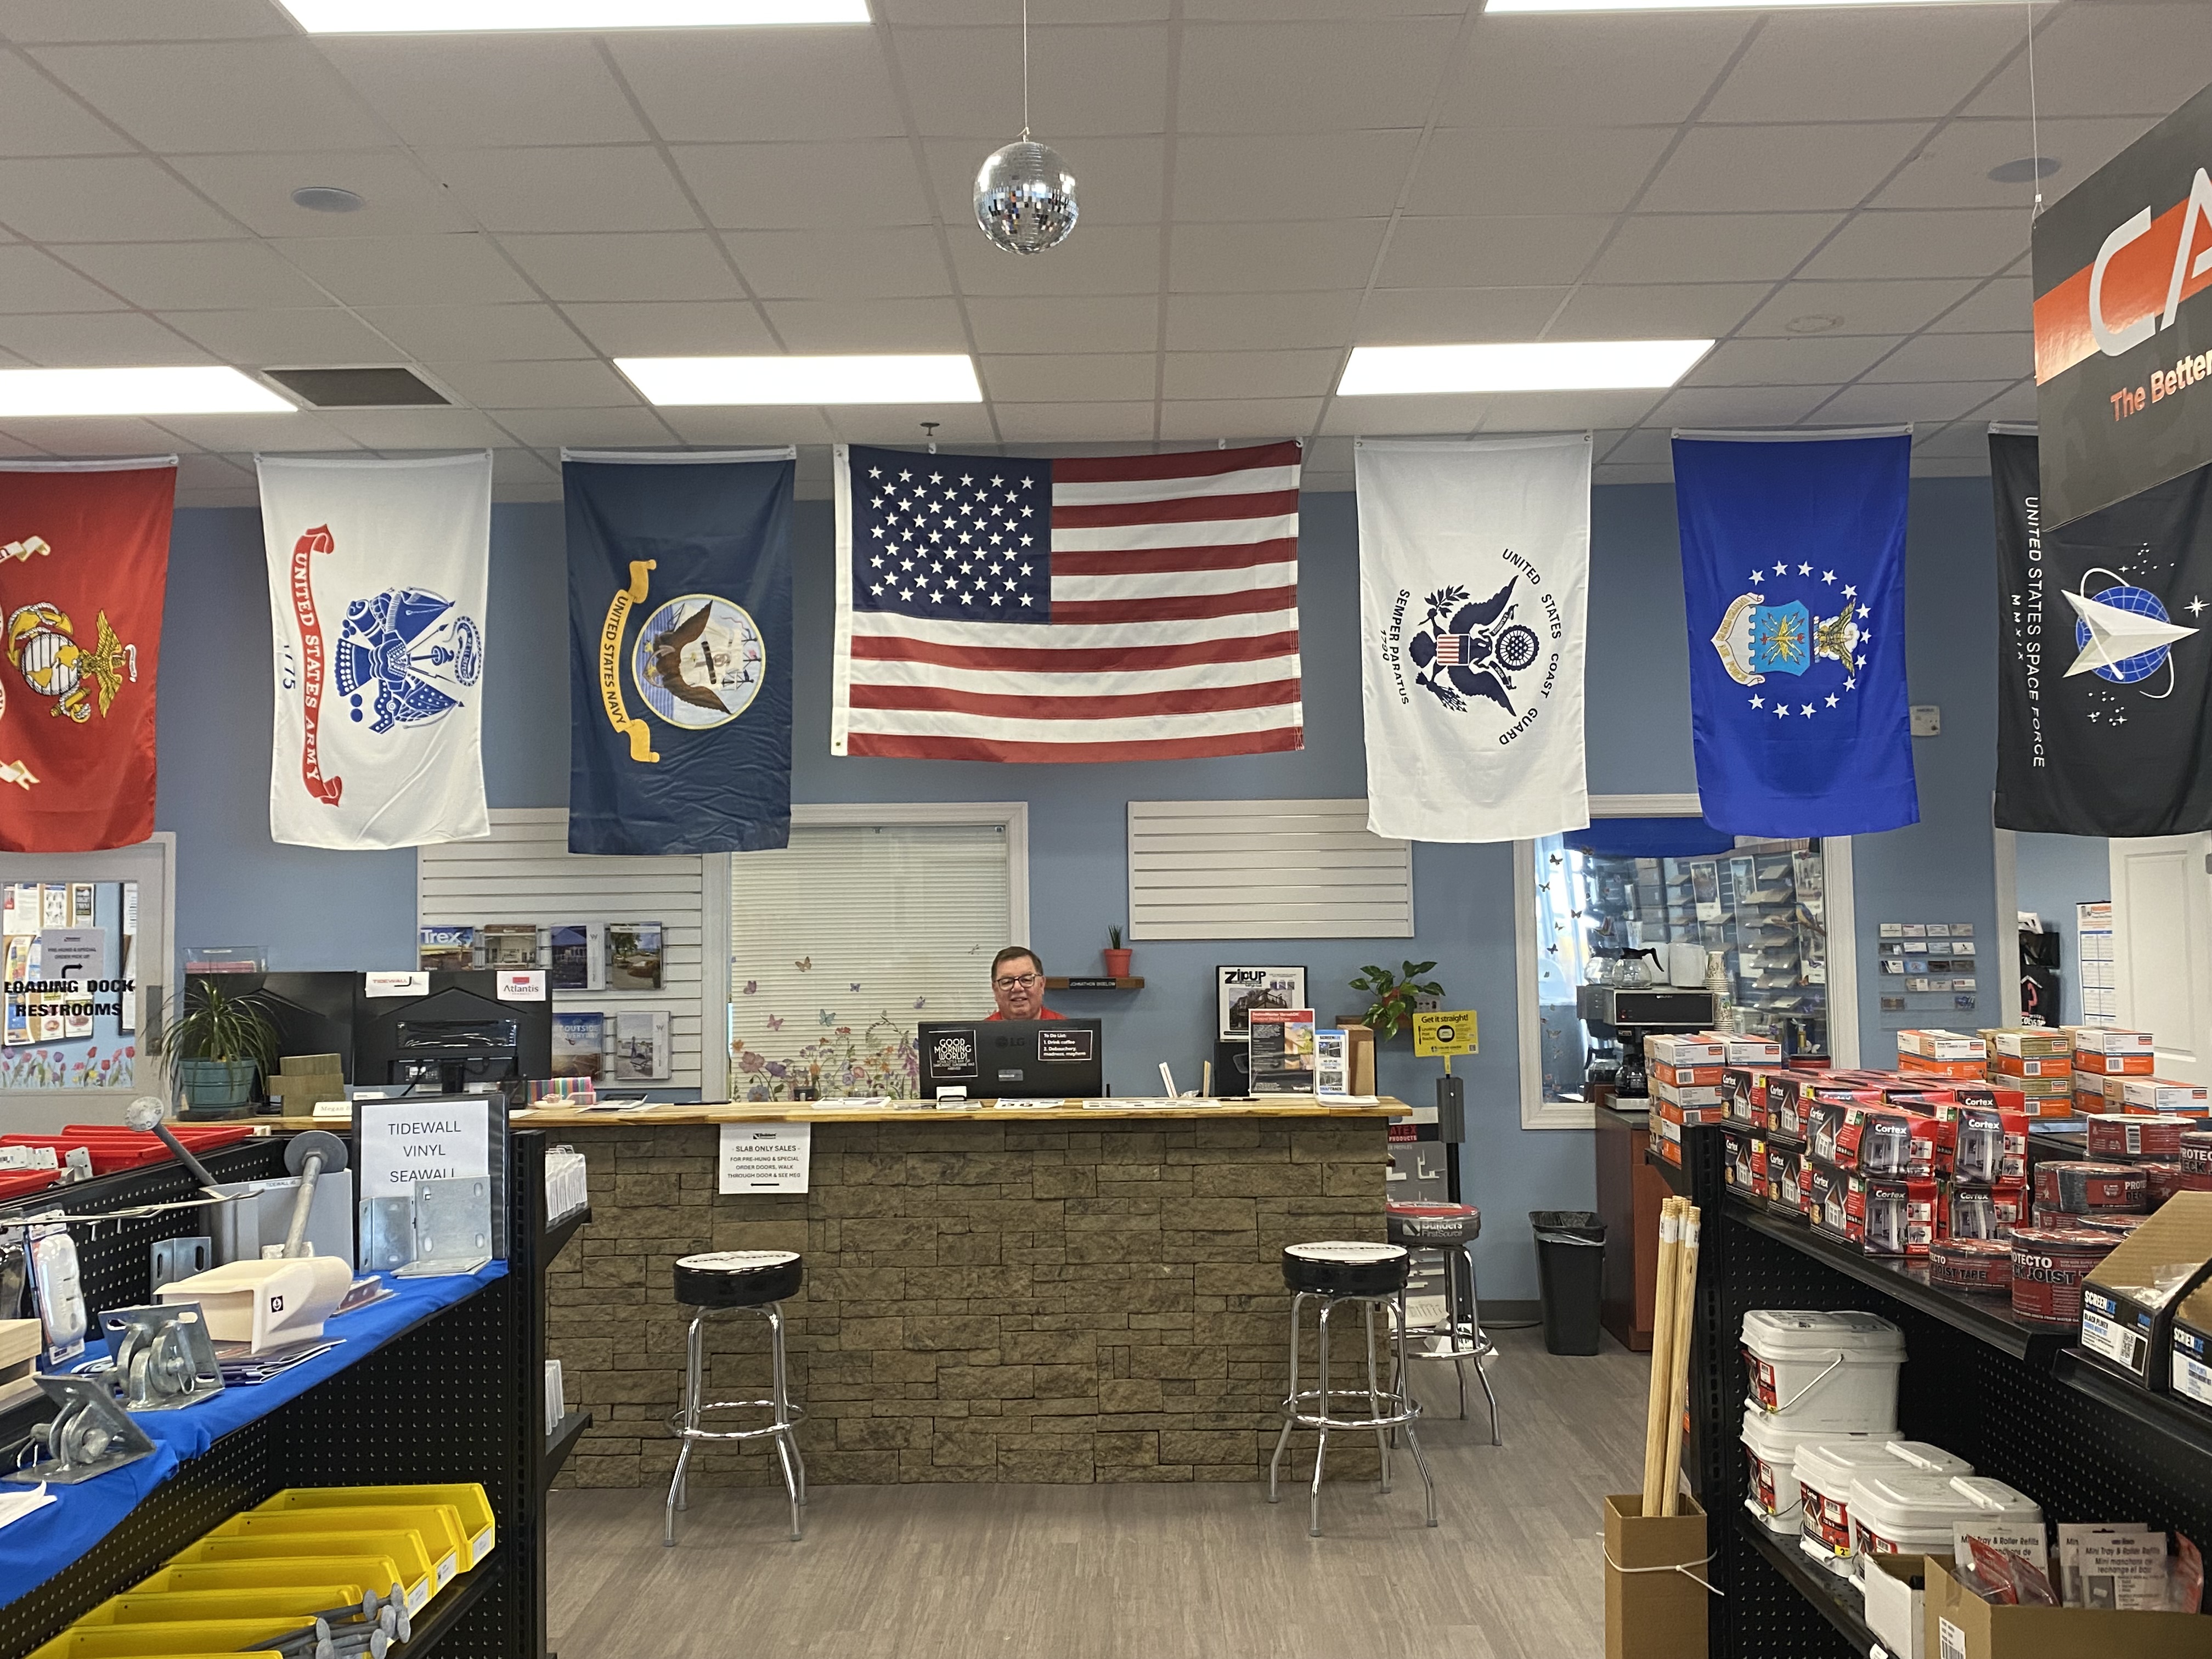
x,y
1690,1117
1745,1167
1666,1134
2159,1094
2027,1043
1881,1140
1746,1050
1966,1209
1890,1217
2108,1039
2136,1135
1912,1066
1360,1057
1895,1592
1705,1096
1941,1045
2128,1065
1745,1090
1686,1077
1786,1190
2189,1376
2032,1065
1961,1626
1674,1050
1654,1615
2128,1299
1979,1145
1826,1192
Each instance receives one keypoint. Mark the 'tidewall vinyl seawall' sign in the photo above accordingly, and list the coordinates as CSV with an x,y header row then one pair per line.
x,y
2124,321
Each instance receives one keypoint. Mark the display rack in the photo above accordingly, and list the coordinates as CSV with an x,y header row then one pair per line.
x,y
2011,1396
455,1397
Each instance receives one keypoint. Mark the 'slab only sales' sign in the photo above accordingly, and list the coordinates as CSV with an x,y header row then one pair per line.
x,y
2124,321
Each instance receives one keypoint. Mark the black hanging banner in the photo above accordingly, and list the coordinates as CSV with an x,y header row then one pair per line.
x,y
2104,668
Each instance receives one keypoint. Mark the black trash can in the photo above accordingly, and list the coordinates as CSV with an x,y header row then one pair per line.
x,y
1570,1274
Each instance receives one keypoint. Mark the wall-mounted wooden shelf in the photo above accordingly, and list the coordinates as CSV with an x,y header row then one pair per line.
x,y
1093,982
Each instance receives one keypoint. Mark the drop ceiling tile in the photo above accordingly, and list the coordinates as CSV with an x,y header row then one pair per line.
x,y
1110,81
1231,374
1712,247
12,445
1117,180
2015,403
1265,258
2101,60
1960,357
1260,322
1490,253
417,429
1862,64
235,95
194,276
1539,71
762,427
1260,418
828,265
37,118
1567,411
1340,175
513,466
1953,167
302,432
123,198
451,333
1870,307
1971,242
407,270
588,429
96,339
596,187
1096,259
658,265
1867,403
32,280
1813,360
872,325
456,90
1434,316
959,14
1089,323
1535,170
829,184
1319,11
1310,77
1778,169
674,328
69,437
1073,377
318,336
734,85
1720,408
399,197
30,20
1997,307
584,383
1377,418
1659,311
899,425
215,472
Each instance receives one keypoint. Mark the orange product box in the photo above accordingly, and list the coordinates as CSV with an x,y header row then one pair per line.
x,y
1686,1077
2031,1066
2127,1065
1692,1114
1914,1065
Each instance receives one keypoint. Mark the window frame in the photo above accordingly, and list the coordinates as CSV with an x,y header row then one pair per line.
x,y
1538,1112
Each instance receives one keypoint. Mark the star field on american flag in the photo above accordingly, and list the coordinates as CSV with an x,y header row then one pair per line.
x,y
952,542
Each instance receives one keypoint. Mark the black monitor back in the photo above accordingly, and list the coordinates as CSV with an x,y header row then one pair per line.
x,y
1013,1059
313,1012
461,1026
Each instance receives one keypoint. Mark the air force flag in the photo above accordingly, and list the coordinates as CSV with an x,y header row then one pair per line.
x,y
1793,570
679,619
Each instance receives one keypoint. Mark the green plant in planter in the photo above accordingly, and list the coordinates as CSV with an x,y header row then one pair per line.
x,y
1390,996
218,1043
1113,938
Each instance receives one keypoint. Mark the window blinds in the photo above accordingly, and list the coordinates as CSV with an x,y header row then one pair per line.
x,y
1265,869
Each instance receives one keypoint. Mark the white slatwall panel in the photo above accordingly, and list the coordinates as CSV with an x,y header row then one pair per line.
x,y
523,871
1265,869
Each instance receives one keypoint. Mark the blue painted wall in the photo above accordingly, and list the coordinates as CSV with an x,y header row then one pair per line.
x,y
318,909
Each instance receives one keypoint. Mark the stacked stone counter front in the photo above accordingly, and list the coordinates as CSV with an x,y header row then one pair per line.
x,y
1011,1300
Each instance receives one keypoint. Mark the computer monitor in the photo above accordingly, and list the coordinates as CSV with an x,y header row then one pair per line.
x,y
1013,1059
458,1035
312,1013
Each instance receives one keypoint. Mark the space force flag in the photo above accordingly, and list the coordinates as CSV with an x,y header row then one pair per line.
x,y
1793,573
377,577
1473,577
679,627
84,563
2104,662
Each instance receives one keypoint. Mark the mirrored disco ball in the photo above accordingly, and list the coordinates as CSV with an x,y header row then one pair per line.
x,y
1025,197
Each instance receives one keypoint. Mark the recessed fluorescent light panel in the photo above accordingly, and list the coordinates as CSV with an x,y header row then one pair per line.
x,y
914,380
29,391
494,16
1528,366
1497,8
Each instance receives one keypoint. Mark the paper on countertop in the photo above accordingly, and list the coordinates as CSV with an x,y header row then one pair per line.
x,y
851,1103
15,1505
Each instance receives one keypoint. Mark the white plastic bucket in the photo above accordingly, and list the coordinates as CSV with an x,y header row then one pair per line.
x,y
1828,1471
1823,1371
1913,1513
1770,1459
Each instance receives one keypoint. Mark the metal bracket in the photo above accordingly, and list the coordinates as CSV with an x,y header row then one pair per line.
x,y
164,1357
89,1436
453,1228
181,1258
387,1234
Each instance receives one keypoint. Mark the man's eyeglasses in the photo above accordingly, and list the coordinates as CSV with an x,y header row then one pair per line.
x,y
1017,982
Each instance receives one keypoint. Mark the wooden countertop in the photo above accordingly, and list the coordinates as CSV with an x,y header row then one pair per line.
x,y
680,1114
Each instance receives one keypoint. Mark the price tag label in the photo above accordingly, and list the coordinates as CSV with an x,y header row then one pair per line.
x,y
1449,1032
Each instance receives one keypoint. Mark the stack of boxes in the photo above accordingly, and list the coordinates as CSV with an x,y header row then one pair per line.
x,y
2038,1062
1689,1080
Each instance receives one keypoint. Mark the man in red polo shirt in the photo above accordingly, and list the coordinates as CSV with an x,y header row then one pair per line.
x,y
1018,985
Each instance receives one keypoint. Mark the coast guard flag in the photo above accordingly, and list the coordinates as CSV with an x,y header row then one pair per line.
x,y
1473,575
84,561
1793,569
377,576
679,624
1126,607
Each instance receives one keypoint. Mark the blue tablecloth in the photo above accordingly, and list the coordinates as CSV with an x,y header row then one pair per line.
x,y
42,1544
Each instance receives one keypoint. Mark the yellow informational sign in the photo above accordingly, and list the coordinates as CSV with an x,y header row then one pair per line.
x,y
1440,1036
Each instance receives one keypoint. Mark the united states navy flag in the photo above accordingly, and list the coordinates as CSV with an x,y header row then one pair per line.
x,y
1793,569
679,624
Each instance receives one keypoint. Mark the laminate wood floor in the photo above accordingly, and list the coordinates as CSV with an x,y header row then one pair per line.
x,y
1513,1572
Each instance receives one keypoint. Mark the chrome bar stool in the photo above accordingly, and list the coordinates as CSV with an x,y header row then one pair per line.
x,y
737,1281
1448,1231
1333,1273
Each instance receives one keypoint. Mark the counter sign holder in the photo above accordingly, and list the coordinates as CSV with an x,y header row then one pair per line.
x,y
1439,1035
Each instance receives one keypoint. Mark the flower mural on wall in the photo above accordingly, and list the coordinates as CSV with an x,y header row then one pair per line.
x,y
842,1063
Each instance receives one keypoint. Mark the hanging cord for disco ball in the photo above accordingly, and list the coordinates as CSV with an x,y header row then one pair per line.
x,y
1025,194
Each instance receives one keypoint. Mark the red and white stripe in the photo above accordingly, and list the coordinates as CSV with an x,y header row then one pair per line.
x,y
1174,631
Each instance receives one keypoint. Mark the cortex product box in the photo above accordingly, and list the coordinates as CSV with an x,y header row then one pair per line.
x,y
2128,1298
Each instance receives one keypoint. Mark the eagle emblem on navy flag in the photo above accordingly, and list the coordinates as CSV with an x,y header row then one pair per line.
x,y
1471,648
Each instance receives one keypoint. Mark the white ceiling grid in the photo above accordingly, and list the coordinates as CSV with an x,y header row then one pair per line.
x,y
1265,185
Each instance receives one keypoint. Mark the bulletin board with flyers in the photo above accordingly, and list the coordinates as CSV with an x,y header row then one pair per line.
x,y
1930,973
70,999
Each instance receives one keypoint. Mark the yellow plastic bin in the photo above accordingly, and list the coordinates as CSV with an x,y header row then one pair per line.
x,y
439,1525
298,1602
167,1640
358,1573
403,1547
470,1501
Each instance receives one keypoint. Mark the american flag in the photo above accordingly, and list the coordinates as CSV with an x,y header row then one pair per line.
x,y
1140,607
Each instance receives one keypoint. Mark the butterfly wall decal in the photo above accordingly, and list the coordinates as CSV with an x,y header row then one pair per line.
x,y
856,985
804,964
775,1022
921,1002
752,987
828,1019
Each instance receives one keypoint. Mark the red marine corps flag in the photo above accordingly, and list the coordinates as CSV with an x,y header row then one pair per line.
x,y
84,563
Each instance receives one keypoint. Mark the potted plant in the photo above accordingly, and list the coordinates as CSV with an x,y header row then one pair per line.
x,y
219,1043
1117,959
1391,996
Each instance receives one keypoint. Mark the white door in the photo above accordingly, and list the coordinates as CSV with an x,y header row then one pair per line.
x,y
2162,948
44,1086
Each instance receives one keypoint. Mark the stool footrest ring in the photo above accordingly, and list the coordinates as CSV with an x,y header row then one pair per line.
x,y
676,1420
1292,1409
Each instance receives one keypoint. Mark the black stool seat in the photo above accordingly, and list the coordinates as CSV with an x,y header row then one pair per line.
x,y
738,1279
1346,1268
1432,1226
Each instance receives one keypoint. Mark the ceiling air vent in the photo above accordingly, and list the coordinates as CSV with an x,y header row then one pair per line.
x,y
359,388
